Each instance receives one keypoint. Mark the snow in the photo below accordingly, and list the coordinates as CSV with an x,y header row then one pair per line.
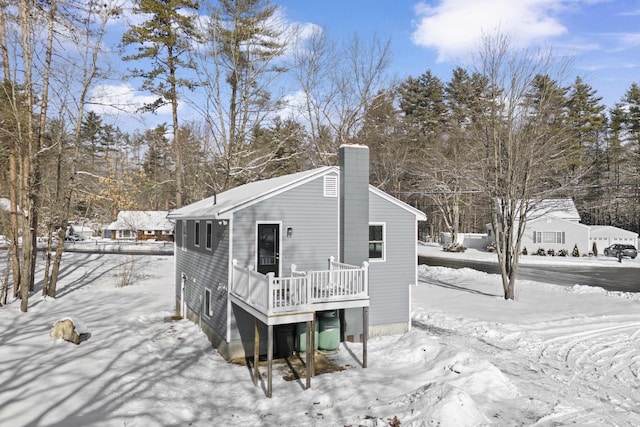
x,y
555,356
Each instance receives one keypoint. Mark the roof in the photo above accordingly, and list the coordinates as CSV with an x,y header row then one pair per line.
x,y
609,231
224,204
141,220
561,208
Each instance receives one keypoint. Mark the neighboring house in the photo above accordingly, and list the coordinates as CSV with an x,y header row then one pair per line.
x,y
276,253
141,225
82,231
606,235
555,224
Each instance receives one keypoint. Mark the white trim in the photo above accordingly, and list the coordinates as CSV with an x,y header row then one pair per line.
x,y
229,277
196,233
208,234
384,241
419,214
280,242
208,311
330,186
184,235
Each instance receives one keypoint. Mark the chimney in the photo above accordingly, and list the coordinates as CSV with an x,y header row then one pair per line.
x,y
354,204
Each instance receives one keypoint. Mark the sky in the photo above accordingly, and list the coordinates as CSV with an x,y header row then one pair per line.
x,y
601,38
557,355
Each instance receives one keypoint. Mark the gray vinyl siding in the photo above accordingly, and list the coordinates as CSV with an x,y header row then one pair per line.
x,y
204,268
389,280
314,221
312,217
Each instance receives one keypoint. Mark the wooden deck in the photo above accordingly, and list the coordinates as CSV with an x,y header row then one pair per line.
x,y
280,300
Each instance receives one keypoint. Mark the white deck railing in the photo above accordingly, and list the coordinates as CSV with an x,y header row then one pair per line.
x,y
273,295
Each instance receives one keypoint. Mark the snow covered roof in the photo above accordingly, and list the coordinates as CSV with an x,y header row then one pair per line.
x,y
224,204
141,220
561,208
610,231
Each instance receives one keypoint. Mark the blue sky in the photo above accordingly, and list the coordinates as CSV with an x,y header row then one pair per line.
x,y
602,37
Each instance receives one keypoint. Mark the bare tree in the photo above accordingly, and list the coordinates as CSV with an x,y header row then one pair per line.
x,y
338,84
519,143
241,60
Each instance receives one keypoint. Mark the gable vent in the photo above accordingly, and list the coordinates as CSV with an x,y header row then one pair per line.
x,y
330,186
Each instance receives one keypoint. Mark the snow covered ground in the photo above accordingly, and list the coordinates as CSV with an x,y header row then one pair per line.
x,y
555,356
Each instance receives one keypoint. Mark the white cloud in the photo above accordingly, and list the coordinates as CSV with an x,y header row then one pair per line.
x,y
454,27
122,103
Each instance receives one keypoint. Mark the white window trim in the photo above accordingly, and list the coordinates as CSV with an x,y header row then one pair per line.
x,y
183,244
207,298
384,242
196,233
208,237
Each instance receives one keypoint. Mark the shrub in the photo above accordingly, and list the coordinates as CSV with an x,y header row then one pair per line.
x,y
524,251
594,249
576,252
491,247
541,252
454,247
551,252
563,252
127,273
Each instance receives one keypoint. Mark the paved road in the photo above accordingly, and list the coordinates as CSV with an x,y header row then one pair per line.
x,y
610,278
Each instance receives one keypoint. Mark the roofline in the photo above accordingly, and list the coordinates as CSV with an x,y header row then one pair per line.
x,y
420,216
228,212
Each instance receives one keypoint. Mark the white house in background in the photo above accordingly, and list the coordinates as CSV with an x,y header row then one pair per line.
x,y
606,235
81,231
141,225
555,224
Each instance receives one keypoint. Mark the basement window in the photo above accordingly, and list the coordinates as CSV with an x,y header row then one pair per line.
x,y
207,303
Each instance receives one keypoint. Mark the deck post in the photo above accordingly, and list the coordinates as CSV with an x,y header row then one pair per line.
x,y
312,347
256,351
269,358
309,353
365,334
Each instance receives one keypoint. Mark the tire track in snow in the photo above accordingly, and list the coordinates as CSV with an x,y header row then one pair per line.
x,y
594,364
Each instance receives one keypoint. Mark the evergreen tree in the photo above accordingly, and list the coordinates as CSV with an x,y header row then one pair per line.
x,y
384,132
422,101
588,125
243,45
163,42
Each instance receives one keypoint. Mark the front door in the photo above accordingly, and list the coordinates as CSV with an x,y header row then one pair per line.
x,y
269,248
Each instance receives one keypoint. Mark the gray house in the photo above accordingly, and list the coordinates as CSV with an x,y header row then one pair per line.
x,y
263,257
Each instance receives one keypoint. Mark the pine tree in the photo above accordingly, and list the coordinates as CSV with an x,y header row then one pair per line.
x,y
163,40
588,126
422,101
240,61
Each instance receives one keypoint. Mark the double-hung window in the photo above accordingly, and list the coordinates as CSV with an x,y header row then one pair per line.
x,y
196,233
209,237
376,242
184,234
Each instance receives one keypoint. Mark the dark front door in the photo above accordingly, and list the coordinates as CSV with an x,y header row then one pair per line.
x,y
269,248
